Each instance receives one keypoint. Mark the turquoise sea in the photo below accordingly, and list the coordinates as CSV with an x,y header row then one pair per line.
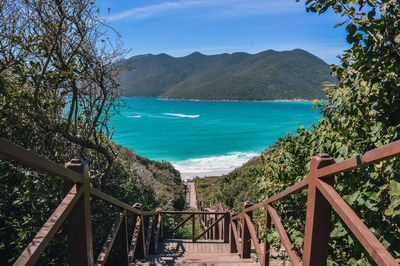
x,y
203,136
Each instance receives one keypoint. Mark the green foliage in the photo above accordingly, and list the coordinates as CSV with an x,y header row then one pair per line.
x,y
206,188
361,113
58,91
267,75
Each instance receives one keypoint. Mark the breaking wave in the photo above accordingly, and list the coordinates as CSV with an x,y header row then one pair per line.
x,y
215,163
182,115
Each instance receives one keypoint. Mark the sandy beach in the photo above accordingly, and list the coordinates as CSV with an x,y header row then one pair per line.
x,y
189,176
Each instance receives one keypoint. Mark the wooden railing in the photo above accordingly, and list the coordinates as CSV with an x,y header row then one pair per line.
x,y
74,210
239,230
215,224
321,199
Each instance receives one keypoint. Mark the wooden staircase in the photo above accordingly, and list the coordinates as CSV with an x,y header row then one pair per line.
x,y
228,237
202,252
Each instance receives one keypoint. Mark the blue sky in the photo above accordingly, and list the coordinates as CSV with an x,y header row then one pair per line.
x,y
180,27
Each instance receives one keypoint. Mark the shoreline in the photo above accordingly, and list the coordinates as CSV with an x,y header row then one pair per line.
x,y
191,175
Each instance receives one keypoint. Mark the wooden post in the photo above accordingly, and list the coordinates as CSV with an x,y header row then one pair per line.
x,y
124,239
265,259
221,225
232,240
246,238
193,225
140,250
212,231
318,216
78,224
227,222
216,234
149,235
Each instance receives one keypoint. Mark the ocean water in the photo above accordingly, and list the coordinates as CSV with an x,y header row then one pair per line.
x,y
201,136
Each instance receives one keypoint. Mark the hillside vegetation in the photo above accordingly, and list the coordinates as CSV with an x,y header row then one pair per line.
x,y
58,93
268,75
361,113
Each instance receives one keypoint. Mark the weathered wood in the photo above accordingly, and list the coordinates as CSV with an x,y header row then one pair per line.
x,y
32,252
246,238
377,251
294,260
15,152
102,258
318,216
78,223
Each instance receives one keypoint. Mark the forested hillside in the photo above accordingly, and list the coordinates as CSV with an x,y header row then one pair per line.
x,y
268,75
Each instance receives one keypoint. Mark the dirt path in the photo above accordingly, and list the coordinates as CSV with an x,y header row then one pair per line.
x,y
191,201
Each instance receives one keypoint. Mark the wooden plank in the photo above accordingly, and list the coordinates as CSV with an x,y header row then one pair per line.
x,y
294,260
102,258
377,251
32,252
15,152
114,201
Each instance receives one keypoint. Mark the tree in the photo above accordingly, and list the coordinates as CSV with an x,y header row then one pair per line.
x,y
58,73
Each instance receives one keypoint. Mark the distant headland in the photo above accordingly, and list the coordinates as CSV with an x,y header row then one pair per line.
x,y
295,75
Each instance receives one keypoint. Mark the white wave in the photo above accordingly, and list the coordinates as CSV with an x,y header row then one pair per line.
x,y
137,116
182,115
214,164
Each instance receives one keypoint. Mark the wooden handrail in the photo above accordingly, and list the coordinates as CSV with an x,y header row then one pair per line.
x,y
15,152
75,208
114,201
294,260
32,252
318,178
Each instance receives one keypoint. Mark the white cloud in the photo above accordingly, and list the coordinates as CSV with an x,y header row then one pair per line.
x,y
217,8
151,10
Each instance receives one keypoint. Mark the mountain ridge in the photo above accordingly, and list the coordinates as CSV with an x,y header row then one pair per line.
x,y
240,76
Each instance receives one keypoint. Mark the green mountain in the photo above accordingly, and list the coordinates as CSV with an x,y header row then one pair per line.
x,y
268,75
